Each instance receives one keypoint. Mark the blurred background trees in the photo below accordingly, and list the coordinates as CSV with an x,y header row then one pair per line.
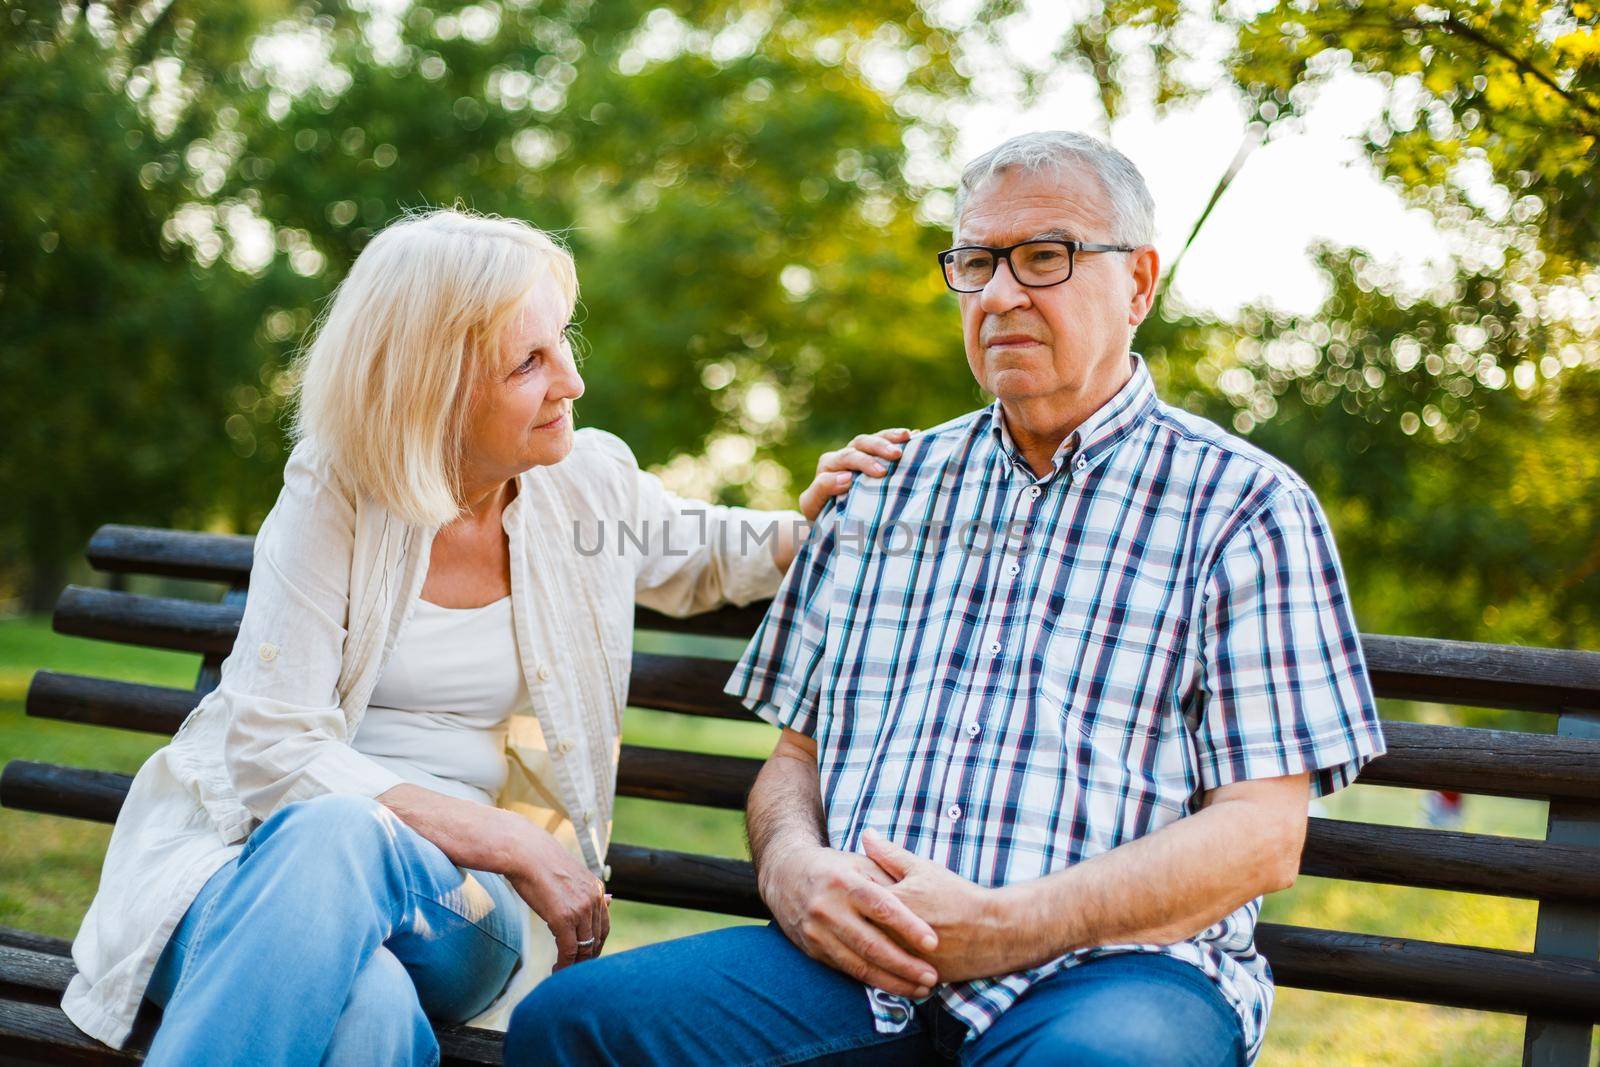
x,y
747,188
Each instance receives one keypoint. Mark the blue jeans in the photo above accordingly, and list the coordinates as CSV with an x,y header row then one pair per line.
x,y
333,938
747,996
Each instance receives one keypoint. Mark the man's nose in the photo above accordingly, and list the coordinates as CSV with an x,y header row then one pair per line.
x,y
1003,293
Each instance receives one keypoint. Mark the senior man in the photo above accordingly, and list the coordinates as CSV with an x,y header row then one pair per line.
x,y
1054,696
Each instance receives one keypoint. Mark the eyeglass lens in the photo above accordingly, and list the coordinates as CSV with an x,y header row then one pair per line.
x,y
1040,263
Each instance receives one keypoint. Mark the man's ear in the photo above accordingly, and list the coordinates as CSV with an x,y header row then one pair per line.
x,y
1145,264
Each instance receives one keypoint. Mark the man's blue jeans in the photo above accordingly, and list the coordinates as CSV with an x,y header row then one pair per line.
x,y
747,996
332,938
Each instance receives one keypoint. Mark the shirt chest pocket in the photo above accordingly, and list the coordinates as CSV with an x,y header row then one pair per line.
x,y
1109,664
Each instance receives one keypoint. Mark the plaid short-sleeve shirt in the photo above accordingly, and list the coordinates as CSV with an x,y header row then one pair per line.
x,y
1009,674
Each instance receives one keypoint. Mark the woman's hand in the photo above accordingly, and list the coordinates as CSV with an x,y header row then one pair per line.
x,y
562,892
869,453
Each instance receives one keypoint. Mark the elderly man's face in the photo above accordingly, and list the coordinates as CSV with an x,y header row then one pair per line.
x,y
1060,347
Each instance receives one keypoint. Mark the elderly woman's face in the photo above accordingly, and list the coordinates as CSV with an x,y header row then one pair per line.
x,y
522,411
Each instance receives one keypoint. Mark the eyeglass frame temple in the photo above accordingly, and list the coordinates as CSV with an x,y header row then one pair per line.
x,y
1073,248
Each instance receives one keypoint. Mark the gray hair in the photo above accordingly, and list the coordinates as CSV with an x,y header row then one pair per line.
x,y
1133,210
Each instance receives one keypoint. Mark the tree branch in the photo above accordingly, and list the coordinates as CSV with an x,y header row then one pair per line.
x,y
1254,136
1454,25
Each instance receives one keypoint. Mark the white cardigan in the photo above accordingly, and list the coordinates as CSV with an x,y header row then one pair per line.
x,y
335,578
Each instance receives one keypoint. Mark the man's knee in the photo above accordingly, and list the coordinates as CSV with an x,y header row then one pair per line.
x,y
560,1021
382,1020
1123,1011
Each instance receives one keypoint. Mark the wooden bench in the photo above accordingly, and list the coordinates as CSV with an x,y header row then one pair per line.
x,y
1557,987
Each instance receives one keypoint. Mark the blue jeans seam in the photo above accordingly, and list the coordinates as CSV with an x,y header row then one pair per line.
x,y
186,972
425,898
839,1044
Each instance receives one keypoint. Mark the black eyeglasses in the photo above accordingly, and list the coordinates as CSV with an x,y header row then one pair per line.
x,y
1036,264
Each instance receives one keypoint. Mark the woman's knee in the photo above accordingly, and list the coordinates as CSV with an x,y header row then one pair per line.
x,y
334,821
382,1021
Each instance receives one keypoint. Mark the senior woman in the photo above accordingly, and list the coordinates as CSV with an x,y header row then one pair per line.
x,y
413,748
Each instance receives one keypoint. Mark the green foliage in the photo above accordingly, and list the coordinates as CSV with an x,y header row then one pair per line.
x,y
738,181
1451,433
730,177
116,354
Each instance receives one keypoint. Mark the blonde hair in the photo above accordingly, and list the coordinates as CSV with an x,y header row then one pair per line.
x,y
384,387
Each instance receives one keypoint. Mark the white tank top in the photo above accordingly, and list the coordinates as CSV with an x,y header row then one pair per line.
x,y
438,715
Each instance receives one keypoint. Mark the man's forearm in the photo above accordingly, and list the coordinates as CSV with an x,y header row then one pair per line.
x,y
785,805
1161,888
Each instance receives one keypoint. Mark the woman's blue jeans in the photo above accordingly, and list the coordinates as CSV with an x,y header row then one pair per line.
x,y
746,996
332,939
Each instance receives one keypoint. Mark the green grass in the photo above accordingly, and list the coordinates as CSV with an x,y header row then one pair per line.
x,y
50,866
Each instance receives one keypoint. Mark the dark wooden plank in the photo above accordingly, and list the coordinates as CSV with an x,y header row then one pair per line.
x,y
171,553
1433,859
684,880
34,971
686,777
691,685
1452,672
1506,763
1446,859
1487,762
1430,972
1496,676
724,622
75,792
12,937
42,1033
158,622
155,709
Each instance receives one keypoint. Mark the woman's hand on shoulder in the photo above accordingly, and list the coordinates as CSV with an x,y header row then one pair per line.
x,y
868,453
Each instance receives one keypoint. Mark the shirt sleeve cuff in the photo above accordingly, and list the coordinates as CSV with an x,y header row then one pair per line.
x,y
341,769
1331,764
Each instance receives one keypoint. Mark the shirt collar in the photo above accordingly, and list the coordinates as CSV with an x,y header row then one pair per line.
x,y
1095,436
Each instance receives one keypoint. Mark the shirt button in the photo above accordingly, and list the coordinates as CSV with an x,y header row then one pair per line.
x,y
1033,492
543,673
973,729
605,873
584,816
954,811
563,747
1082,463
268,652
994,648
1014,570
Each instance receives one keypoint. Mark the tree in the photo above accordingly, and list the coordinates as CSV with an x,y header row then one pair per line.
x,y
1451,433
730,176
117,353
